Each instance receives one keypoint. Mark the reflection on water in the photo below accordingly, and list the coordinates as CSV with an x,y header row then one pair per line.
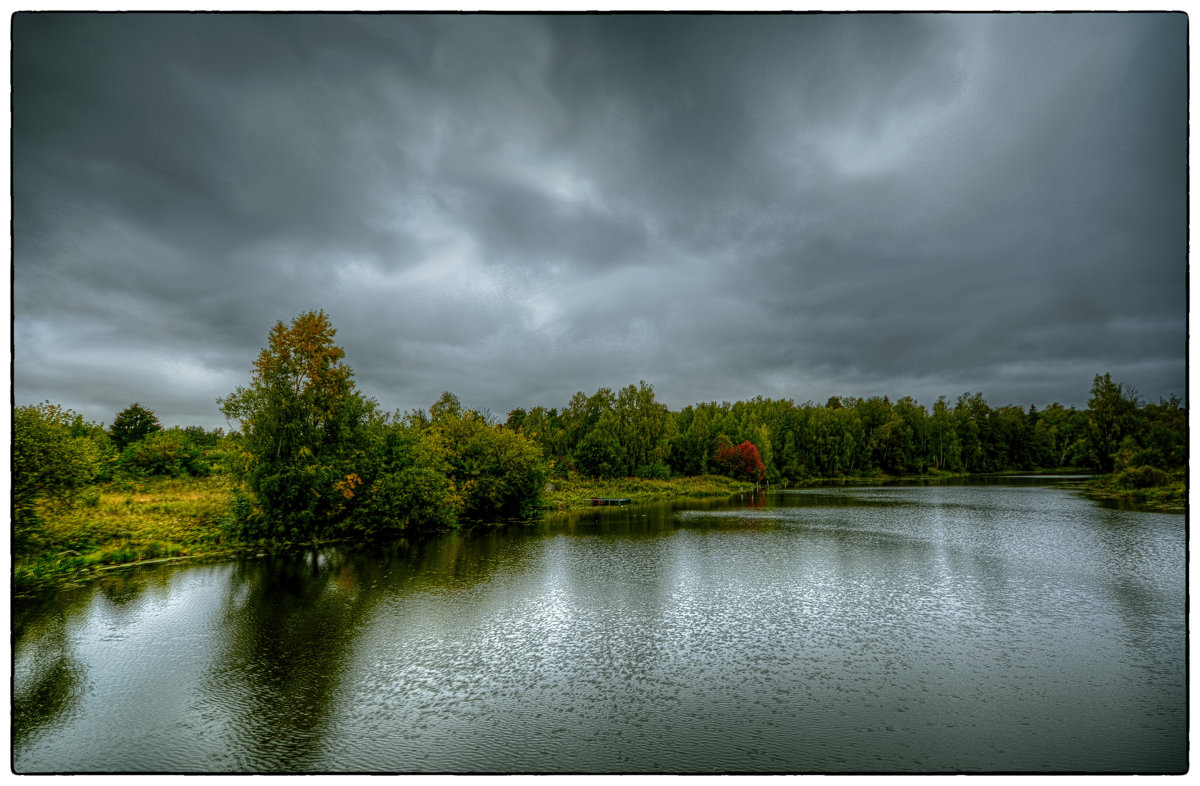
x,y
1009,627
47,680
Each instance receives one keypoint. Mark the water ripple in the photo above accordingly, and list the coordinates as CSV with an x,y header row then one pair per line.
x,y
894,629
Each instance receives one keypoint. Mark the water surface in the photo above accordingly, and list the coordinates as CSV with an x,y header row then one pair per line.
x,y
978,628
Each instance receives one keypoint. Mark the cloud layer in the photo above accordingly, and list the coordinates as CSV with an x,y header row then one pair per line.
x,y
515,208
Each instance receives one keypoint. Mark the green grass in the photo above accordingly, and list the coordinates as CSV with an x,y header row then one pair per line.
x,y
578,493
123,523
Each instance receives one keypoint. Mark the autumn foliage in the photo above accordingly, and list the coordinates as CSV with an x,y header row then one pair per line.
x,y
320,460
742,462
303,425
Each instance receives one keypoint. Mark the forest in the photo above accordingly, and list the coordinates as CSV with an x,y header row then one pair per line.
x,y
307,456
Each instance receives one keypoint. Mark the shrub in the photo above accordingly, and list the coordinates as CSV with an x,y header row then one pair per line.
x,y
49,464
656,471
499,472
169,453
133,424
1143,477
240,520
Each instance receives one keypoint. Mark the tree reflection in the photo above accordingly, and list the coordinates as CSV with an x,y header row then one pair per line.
x,y
1146,556
292,624
47,678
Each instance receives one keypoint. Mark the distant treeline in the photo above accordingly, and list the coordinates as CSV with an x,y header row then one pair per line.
x,y
629,434
312,457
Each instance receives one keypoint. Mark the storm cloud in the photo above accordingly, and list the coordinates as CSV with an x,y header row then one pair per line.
x,y
517,207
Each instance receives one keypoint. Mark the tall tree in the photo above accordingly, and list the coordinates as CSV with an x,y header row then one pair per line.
x,y
1054,436
304,428
1112,410
912,445
646,427
971,422
944,445
600,453
1165,437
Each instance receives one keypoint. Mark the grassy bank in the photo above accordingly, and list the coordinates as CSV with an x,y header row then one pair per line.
x,y
1169,498
127,522
131,522
573,494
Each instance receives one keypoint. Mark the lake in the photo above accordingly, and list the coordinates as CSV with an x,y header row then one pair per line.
x,y
972,627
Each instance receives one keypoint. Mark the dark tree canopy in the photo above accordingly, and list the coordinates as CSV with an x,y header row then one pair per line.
x,y
1112,409
133,424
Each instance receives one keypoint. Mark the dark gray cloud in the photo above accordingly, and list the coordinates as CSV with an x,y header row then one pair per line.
x,y
518,207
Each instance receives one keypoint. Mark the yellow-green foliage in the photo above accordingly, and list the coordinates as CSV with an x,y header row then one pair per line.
x,y
125,522
128,522
578,493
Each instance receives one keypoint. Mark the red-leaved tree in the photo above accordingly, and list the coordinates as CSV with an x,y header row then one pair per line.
x,y
742,462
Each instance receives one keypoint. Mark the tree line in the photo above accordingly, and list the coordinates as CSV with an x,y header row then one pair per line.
x,y
312,457
629,434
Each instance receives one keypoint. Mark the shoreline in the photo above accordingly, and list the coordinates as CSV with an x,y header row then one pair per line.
x,y
169,520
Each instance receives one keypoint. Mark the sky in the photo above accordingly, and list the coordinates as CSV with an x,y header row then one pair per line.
x,y
514,208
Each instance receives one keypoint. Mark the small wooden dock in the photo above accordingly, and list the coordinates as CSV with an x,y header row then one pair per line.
x,y
611,500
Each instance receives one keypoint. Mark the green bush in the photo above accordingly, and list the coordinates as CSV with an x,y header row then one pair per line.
x,y
1142,477
166,453
239,519
656,471
133,424
500,473
50,465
